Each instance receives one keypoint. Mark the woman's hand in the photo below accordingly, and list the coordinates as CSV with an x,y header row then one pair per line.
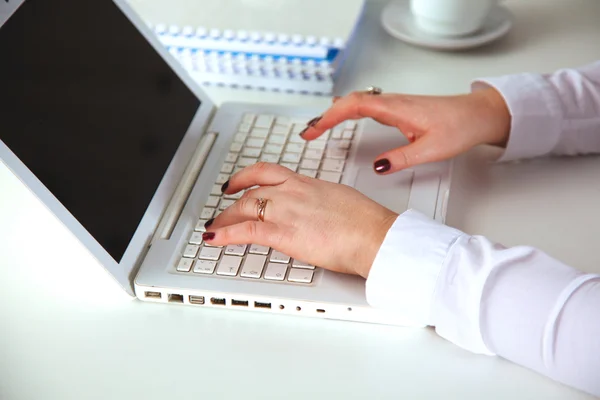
x,y
325,224
438,127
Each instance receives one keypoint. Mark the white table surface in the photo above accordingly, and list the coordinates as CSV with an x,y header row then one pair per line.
x,y
59,341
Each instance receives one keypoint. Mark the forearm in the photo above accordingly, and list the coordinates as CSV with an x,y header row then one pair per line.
x,y
492,300
556,113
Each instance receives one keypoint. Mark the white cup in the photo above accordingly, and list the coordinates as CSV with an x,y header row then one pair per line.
x,y
451,17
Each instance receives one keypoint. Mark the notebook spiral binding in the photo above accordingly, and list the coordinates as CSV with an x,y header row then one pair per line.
x,y
254,60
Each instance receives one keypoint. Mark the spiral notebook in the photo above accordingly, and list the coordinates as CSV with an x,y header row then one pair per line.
x,y
282,45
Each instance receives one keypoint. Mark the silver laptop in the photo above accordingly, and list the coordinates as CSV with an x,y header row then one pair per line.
x,y
117,140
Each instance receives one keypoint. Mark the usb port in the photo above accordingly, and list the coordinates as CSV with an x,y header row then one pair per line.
x,y
152,295
258,304
196,299
320,310
243,303
217,300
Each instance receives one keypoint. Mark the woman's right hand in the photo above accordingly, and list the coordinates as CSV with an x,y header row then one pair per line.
x,y
437,127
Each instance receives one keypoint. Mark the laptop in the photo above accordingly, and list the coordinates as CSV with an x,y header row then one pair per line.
x,y
105,127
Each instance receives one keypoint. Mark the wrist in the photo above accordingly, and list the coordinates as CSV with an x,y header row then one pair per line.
x,y
496,115
372,243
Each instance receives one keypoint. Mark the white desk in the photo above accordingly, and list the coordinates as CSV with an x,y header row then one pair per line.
x,y
58,343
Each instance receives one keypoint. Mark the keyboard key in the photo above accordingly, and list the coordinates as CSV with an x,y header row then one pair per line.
x,y
207,213
300,275
259,133
235,249
283,121
222,178
251,152
309,164
292,166
276,139
200,225
210,253
335,153
330,176
316,145
212,201
245,127
297,128
302,264
271,158
231,157
258,249
248,118
185,264
324,136
336,133
229,265
276,272
253,266
294,147
227,168
344,144
264,121
196,238
291,157
191,250
216,190
347,134
313,154
239,137
246,162
225,203
279,257
273,149
333,165
234,196
237,169
255,142
281,130
235,147
350,125
205,267
296,139
308,172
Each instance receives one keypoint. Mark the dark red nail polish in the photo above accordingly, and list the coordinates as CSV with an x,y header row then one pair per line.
x,y
302,132
209,222
208,236
382,165
224,187
313,121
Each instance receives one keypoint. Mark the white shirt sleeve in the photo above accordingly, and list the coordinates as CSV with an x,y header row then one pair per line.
x,y
518,302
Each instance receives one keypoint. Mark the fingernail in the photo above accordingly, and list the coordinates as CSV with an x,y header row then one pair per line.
x,y
302,132
382,165
224,187
208,236
209,222
313,121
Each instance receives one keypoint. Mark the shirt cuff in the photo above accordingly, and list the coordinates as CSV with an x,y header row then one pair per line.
x,y
404,274
536,113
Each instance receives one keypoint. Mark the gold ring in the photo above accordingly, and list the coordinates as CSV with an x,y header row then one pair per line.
x,y
262,204
374,90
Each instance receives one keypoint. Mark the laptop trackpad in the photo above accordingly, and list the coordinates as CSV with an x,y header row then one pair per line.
x,y
391,191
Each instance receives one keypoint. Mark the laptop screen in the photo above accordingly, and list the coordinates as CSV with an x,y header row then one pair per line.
x,y
92,110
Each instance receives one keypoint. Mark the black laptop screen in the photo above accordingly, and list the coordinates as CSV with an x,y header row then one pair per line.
x,y
92,110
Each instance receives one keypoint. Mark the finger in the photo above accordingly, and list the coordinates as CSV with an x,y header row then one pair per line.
x,y
335,98
259,174
354,106
419,152
246,209
255,232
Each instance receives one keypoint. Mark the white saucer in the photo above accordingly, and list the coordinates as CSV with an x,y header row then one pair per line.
x,y
398,21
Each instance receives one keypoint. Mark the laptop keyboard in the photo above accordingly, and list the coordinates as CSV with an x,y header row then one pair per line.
x,y
273,139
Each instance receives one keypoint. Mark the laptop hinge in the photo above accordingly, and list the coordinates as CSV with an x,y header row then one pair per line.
x,y
183,190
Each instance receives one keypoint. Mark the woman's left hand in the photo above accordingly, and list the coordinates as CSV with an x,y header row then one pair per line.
x,y
329,225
